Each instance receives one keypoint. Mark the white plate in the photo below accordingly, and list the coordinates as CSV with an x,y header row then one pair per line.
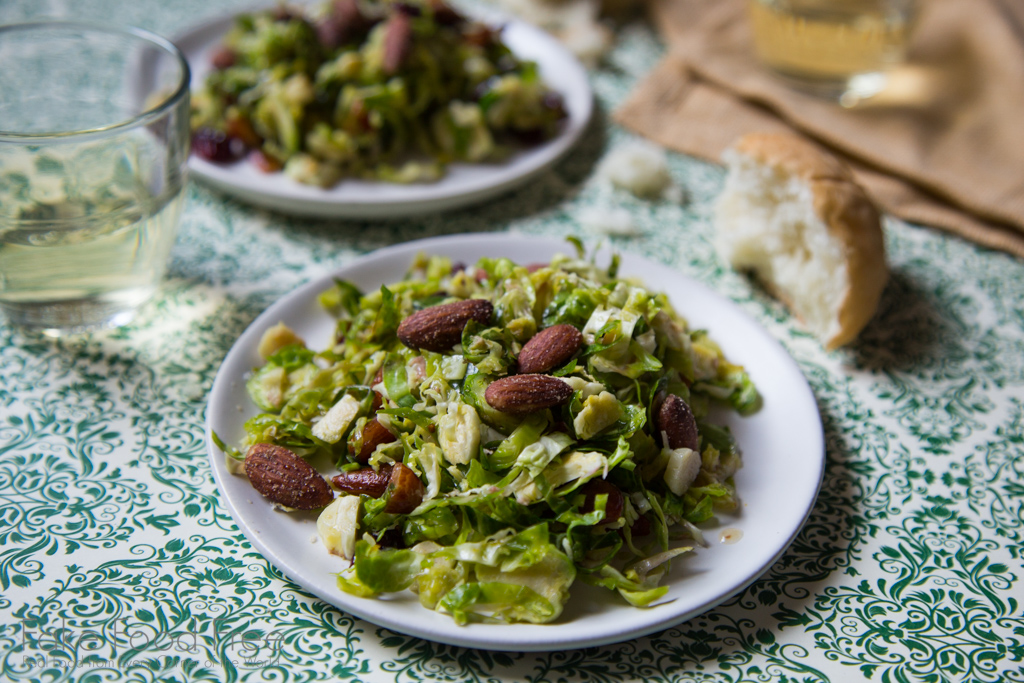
x,y
783,449
462,184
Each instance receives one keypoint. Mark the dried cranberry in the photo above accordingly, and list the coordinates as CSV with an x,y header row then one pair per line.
x,y
391,538
614,505
641,527
215,146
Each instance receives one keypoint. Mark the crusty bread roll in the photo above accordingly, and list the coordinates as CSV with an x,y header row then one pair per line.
x,y
794,215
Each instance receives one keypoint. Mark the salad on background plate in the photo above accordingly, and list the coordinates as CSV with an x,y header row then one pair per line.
x,y
495,432
377,108
373,89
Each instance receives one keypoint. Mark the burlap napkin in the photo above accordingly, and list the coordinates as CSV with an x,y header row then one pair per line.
x,y
944,146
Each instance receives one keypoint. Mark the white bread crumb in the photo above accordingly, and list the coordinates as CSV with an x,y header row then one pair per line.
x,y
638,167
604,220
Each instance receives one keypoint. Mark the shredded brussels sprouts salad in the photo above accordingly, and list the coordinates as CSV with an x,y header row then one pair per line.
x,y
376,89
503,503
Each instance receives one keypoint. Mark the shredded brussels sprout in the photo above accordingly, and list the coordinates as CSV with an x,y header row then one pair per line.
x,y
509,508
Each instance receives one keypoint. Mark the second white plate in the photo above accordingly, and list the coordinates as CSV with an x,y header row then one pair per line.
x,y
783,453
463,184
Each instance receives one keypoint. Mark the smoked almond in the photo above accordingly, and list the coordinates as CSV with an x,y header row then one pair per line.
x,y
549,348
522,394
439,328
372,482
404,487
285,478
676,420
397,42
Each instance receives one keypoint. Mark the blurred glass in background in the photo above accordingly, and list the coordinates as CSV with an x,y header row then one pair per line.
x,y
841,49
93,147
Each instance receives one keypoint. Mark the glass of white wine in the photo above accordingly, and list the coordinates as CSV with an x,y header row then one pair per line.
x,y
842,49
93,150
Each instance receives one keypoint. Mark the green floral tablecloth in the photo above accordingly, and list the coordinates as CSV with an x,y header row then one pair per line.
x,y
119,562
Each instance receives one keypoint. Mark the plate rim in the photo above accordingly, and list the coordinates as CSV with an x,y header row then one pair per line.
x,y
468,636
310,201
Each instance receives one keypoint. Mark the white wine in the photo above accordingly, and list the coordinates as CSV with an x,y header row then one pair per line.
x,y
80,276
94,143
824,44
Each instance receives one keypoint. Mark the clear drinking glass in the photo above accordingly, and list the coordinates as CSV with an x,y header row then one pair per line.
x,y
93,145
840,49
